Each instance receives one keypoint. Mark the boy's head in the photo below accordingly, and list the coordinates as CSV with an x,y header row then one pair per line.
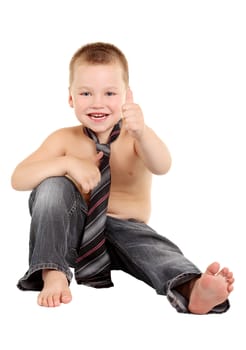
x,y
99,53
98,85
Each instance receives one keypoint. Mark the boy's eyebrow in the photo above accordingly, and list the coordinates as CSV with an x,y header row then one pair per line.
x,y
83,87
111,88
91,88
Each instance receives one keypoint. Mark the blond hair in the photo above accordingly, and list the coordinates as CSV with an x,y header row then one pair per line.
x,y
99,53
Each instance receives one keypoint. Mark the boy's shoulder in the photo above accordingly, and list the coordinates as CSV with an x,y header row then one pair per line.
x,y
62,137
69,131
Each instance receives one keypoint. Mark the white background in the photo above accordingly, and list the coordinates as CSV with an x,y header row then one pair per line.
x,y
187,71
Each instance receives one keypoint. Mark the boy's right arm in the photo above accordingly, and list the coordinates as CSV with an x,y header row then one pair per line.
x,y
49,160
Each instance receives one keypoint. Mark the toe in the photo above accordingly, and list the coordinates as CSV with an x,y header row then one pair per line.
x,y
66,297
56,300
224,272
213,268
230,288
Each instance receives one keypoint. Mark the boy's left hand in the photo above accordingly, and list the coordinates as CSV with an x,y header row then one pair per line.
x,y
132,116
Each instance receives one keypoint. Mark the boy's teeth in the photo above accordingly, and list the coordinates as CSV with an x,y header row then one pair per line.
x,y
97,115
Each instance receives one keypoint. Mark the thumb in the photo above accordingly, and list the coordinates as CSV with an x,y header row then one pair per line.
x,y
99,156
129,96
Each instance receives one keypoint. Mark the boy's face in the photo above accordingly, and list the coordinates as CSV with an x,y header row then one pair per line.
x,y
97,94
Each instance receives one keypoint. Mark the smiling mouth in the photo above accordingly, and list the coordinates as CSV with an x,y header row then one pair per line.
x,y
98,116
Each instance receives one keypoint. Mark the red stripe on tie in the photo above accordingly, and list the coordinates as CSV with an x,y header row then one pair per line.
x,y
98,203
99,245
114,133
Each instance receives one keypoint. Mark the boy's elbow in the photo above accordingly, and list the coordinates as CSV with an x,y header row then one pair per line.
x,y
164,168
15,184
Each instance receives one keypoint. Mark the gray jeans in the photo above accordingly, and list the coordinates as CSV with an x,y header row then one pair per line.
x,y
58,213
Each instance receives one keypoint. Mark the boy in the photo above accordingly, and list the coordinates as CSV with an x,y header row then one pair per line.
x,y
65,173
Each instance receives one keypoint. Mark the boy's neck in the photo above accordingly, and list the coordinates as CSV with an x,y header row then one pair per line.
x,y
103,137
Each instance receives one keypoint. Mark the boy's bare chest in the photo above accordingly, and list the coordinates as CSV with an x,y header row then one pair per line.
x,y
123,159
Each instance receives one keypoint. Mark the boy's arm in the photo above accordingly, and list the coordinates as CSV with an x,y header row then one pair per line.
x,y
150,148
50,159
46,161
153,151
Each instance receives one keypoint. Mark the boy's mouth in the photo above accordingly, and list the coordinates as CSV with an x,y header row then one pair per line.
x,y
98,116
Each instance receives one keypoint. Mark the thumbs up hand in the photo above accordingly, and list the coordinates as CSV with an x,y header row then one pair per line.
x,y
132,116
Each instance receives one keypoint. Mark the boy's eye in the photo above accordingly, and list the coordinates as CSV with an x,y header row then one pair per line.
x,y
85,93
110,93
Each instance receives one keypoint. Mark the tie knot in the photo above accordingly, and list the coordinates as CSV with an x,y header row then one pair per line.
x,y
104,147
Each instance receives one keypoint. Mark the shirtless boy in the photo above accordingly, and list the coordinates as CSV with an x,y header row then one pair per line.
x,y
63,171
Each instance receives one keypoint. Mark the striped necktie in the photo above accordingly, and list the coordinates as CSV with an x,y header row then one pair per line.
x,y
93,262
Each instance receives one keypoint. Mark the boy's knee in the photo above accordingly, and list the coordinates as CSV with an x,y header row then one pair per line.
x,y
51,192
55,183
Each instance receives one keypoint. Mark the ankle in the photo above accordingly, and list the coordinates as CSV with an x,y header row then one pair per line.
x,y
186,288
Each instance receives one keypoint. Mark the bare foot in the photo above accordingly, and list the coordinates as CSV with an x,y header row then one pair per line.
x,y
211,289
55,290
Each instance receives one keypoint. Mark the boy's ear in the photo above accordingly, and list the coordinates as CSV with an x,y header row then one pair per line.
x,y
70,99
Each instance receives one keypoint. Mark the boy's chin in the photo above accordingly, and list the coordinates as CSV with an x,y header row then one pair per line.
x,y
102,124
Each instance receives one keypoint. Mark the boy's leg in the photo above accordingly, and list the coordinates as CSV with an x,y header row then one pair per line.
x,y
57,221
155,260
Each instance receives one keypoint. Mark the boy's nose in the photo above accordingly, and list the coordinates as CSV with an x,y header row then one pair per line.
x,y
97,101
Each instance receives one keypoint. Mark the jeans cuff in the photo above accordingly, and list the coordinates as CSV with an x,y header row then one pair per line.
x,y
180,303
32,280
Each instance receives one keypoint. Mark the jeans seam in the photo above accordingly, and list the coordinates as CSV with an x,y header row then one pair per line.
x,y
78,202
